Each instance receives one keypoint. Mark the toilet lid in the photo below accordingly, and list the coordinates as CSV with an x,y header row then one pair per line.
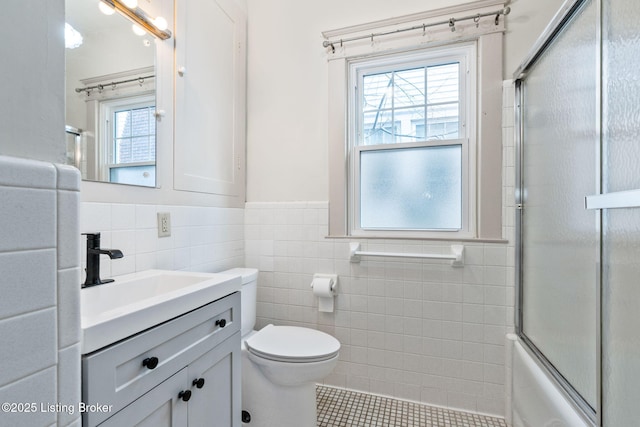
x,y
292,344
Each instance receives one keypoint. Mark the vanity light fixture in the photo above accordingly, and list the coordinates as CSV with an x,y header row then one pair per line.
x,y
161,23
131,4
138,30
139,17
105,8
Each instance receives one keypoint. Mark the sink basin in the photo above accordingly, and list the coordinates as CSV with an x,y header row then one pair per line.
x,y
138,301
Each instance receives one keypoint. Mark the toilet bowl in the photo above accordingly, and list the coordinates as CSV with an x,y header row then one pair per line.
x,y
280,366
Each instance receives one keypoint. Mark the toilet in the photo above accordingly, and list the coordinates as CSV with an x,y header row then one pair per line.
x,y
280,366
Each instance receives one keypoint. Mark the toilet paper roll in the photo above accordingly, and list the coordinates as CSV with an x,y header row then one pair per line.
x,y
323,289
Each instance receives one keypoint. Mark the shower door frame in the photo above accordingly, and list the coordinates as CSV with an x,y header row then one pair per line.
x,y
568,10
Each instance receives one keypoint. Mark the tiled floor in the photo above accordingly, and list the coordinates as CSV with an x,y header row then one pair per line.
x,y
345,408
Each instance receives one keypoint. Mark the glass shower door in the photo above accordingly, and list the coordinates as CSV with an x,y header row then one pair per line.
x,y
621,226
559,237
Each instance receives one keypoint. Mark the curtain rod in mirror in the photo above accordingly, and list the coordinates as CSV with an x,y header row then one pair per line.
x,y
140,17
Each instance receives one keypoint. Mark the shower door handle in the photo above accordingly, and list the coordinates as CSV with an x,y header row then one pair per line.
x,y
614,200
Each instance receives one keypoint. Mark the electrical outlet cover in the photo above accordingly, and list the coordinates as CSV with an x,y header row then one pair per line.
x,y
164,224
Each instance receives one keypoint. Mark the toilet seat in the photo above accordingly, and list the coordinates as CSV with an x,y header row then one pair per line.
x,y
292,344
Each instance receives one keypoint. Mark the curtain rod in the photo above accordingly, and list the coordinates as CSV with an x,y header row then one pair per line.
x,y
451,22
113,85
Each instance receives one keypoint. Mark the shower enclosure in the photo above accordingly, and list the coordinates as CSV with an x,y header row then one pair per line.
x,y
578,200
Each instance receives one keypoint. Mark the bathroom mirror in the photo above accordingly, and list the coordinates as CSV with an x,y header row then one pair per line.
x,y
110,96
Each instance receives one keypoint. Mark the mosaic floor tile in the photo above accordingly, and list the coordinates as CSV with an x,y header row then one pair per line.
x,y
345,408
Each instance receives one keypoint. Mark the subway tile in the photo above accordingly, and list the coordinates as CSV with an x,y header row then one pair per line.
x,y
451,350
40,387
69,380
452,330
473,313
393,342
68,313
33,218
494,373
123,217
68,177
473,294
473,351
95,217
125,265
495,255
33,344
146,240
18,172
462,401
68,203
29,281
125,241
494,315
412,308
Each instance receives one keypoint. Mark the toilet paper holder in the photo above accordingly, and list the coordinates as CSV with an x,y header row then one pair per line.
x,y
324,286
332,277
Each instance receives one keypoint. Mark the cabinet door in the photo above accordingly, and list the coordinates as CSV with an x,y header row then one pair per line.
x,y
210,97
217,402
158,408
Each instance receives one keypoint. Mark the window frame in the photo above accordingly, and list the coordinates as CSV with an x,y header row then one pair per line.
x,y
465,55
107,108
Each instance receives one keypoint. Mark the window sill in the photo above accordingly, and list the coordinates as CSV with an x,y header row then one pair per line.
x,y
435,239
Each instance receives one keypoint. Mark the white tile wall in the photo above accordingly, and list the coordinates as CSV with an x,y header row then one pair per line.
x,y
414,329
39,316
202,238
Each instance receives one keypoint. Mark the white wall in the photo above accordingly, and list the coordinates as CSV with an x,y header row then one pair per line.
x,y
287,83
525,23
32,79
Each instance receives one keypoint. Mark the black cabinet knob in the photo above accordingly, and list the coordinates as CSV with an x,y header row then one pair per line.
x,y
221,322
198,382
185,395
150,362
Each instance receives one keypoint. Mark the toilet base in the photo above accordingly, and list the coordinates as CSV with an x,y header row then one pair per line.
x,y
271,405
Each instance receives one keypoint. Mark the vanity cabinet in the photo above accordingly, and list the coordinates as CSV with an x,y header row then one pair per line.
x,y
182,372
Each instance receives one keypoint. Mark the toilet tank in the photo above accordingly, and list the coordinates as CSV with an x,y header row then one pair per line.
x,y
247,297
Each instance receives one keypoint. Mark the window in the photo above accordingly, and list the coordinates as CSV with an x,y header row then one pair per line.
x,y
130,140
412,144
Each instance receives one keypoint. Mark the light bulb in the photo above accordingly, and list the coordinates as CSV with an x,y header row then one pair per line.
x,y
131,4
160,23
139,31
105,8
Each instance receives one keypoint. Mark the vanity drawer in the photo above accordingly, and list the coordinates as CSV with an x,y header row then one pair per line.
x,y
122,372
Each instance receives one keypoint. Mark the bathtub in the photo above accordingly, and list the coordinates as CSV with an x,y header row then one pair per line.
x,y
534,400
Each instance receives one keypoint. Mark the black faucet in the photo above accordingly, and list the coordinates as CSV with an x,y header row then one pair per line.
x,y
93,259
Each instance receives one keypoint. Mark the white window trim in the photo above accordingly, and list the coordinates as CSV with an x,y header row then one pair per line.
x,y
465,54
488,184
106,109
